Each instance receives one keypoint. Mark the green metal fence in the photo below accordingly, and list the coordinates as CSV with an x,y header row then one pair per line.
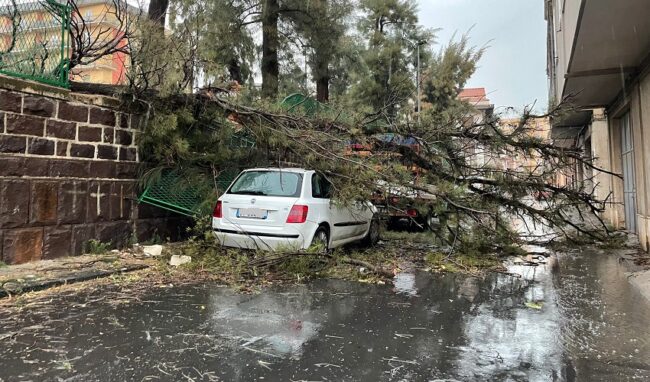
x,y
34,40
173,193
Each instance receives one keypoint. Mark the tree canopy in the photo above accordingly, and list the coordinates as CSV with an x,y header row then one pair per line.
x,y
201,80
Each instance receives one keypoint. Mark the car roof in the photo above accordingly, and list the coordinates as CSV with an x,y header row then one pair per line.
x,y
283,169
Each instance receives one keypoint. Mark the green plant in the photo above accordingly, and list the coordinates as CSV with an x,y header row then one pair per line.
x,y
96,247
3,264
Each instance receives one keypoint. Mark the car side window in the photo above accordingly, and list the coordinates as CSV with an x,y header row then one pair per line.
x,y
320,187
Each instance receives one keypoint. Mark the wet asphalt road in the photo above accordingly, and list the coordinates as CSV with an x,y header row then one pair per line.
x,y
591,327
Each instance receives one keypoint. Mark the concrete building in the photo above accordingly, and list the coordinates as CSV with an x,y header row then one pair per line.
x,y
599,59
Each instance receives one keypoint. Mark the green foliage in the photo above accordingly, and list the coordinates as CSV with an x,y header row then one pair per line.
x,y
3,264
96,247
446,168
387,80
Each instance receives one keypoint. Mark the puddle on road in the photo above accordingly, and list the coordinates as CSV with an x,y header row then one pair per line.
x,y
582,322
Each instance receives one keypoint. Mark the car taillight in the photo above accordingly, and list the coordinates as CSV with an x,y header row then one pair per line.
x,y
218,210
298,214
412,212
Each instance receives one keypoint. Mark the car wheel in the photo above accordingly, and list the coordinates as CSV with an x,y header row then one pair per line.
x,y
372,237
320,242
432,222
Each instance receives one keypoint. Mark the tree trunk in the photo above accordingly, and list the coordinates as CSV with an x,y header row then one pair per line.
x,y
322,78
322,50
234,69
158,11
270,43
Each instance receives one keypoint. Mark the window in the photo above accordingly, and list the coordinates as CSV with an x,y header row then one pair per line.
x,y
320,187
268,183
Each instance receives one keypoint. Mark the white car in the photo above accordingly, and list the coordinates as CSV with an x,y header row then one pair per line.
x,y
289,208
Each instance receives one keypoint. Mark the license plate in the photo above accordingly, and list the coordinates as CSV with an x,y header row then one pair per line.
x,y
252,213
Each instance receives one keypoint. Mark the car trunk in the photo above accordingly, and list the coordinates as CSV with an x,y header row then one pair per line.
x,y
253,210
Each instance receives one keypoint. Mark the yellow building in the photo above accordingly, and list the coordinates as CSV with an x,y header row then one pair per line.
x,y
39,37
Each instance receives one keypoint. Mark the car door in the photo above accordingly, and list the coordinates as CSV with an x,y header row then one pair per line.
x,y
321,190
346,220
361,215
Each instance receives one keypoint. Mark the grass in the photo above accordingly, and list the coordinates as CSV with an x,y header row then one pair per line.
x,y
3,264
425,237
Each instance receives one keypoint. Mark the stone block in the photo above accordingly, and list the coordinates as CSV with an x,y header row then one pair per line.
x,y
61,129
11,101
147,211
57,242
62,148
109,135
118,234
44,203
80,236
106,152
62,168
104,170
72,112
40,146
121,200
14,210
73,201
102,116
128,154
41,106
99,206
126,170
22,245
12,144
123,137
82,151
137,121
89,133
178,260
124,121
25,124
20,166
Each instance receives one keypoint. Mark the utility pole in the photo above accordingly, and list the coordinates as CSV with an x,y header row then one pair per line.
x,y
419,80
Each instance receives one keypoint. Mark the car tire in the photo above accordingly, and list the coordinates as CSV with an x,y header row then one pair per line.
x,y
372,237
431,222
321,238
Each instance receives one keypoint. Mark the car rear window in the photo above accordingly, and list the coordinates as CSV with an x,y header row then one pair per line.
x,y
267,183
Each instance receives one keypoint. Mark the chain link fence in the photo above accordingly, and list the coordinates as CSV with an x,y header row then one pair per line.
x,y
34,40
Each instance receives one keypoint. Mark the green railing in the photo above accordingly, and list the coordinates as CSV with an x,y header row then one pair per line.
x,y
173,193
34,40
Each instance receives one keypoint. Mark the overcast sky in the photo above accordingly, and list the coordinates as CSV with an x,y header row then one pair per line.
x,y
513,69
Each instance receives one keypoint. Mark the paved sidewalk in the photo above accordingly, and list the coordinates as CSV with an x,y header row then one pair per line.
x,y
637,264
17,279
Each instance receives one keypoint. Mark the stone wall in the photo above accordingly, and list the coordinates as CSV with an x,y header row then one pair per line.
x,y
68,170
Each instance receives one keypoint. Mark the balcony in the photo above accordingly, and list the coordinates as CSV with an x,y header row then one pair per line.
x,y
610,45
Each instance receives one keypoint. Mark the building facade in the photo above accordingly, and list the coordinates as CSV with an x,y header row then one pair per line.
x,y
599,63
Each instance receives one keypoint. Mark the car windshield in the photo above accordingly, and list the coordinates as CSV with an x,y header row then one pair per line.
x,y
267,183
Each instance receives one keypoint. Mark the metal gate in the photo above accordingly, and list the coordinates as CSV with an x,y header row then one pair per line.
x,y
629,183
